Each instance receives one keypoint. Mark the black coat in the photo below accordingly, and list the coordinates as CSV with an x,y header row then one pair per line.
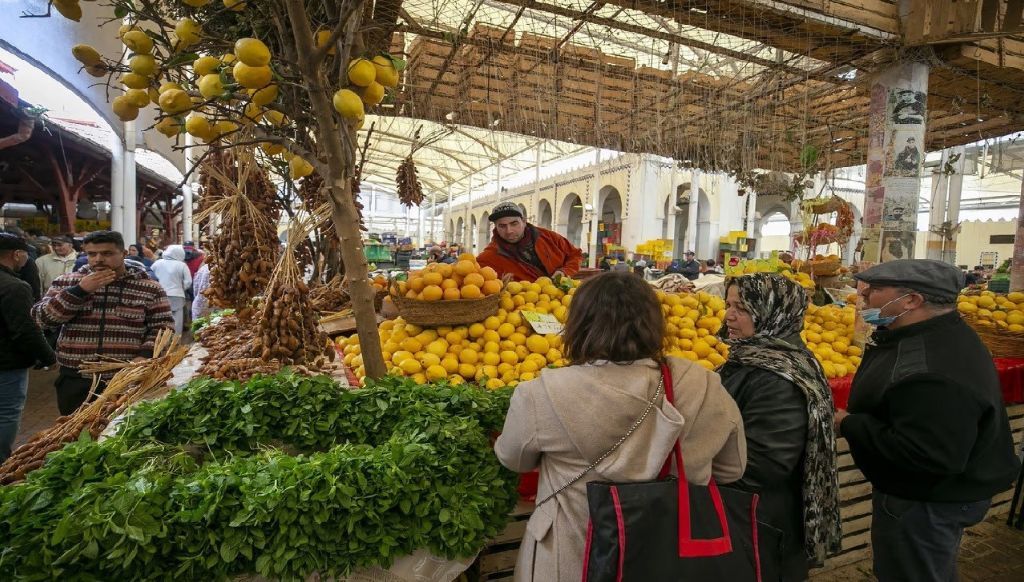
x,y
22,344
927,420
774,412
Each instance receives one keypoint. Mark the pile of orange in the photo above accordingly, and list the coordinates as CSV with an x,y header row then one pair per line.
x,y
442,282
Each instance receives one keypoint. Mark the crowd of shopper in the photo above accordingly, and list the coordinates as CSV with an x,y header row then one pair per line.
x,y
926,424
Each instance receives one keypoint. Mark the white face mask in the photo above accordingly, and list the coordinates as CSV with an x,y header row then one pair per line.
x,y
874,315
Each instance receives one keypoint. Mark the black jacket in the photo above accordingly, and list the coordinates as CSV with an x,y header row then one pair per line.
x,y
691,269
927,420
774,412
22,344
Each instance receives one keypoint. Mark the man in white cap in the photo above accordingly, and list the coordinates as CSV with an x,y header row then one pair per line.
x,y
926,421
524,251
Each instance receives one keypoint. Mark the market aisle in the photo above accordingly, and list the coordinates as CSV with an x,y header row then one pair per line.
x,y
40,406
991,552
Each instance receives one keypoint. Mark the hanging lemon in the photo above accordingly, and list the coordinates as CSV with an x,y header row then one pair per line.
x,y
138,42
224,127
387,74
251,77
86,55
198,126
264,96
168,86
252,113
168,126
252,52
374,93
275,118
137,97
210,86
188,32
236,5
271,149
134,81
123,108
97,70
348,104
69,9
144,65
196,3
361,72
299,168
206,65
321,39
175,101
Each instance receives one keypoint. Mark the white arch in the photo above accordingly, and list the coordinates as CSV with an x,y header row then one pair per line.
x,y
483,231
570,218
545,217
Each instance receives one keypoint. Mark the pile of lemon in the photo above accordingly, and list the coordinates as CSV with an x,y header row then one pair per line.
x,y
993,310
502,350
828,333
441,282
771,265
691,324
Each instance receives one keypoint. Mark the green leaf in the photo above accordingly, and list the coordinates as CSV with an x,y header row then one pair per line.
x,y
444,516
399,64
180,59
120,11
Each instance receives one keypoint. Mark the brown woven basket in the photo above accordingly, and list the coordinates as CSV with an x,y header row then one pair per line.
x,y
1003,343
446,312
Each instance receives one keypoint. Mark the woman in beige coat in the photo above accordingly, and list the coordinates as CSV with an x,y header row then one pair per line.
x,y
568,417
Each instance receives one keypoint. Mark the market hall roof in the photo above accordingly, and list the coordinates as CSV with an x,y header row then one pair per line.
x,y
722,84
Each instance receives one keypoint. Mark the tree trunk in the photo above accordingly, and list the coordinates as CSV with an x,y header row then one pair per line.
x,y
343,209
1017,264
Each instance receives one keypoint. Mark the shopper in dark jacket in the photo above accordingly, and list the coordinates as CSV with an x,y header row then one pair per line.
x,y
22,344
787,409
926,422
690,267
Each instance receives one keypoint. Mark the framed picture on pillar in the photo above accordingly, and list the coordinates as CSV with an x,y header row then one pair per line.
x,y
903,154
906,107
899,207
897,244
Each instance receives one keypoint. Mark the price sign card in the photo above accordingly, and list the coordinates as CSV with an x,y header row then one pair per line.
x,y
543,323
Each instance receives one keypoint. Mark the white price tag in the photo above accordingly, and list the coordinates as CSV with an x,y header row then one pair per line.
x,y
543,323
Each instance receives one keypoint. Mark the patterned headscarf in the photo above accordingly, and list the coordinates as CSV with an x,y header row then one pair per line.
x,y
777,306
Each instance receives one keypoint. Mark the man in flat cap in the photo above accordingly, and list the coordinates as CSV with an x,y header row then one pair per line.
x,y
22,345
524,251
926,421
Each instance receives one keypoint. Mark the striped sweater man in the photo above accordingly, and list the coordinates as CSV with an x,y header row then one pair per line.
x,y
119,320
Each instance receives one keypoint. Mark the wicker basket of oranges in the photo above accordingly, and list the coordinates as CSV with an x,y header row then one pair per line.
x,y
443,294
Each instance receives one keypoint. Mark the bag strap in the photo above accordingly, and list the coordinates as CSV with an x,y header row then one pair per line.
x,y
688,546
632,429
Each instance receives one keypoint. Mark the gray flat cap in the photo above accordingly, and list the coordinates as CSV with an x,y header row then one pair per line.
x,y
927,276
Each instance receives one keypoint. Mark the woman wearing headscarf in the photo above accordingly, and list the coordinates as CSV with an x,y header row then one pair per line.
x,y
787,410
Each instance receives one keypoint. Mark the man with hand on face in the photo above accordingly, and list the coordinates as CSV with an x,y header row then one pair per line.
x,y
106,308
22,345
527,252
926,421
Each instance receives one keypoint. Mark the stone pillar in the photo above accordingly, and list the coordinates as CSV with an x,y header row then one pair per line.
x,y
449,235
1017,265
116,188
896,132
595,211
671,214
956,187
467,236
131,202
188,231
691,213
752,221
937,213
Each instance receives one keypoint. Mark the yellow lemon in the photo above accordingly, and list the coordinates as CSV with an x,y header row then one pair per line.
x,y
134,81
348,104
538,344
264,96
196,3
206,65
144,65
506,329
188,32
235,5
252,52
175,101
251,77
322,37
299,168
361,72
210,86
386,75
123,108
198,126
373,93
137,97
69,9
86,55
138,42
411,366
436,372
275,118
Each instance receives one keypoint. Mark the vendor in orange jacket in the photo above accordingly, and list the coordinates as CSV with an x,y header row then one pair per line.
x,y
524,251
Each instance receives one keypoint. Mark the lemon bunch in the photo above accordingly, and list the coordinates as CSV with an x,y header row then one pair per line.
x,y
692,321
502,350
463,280
828,333
368,80
993,310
